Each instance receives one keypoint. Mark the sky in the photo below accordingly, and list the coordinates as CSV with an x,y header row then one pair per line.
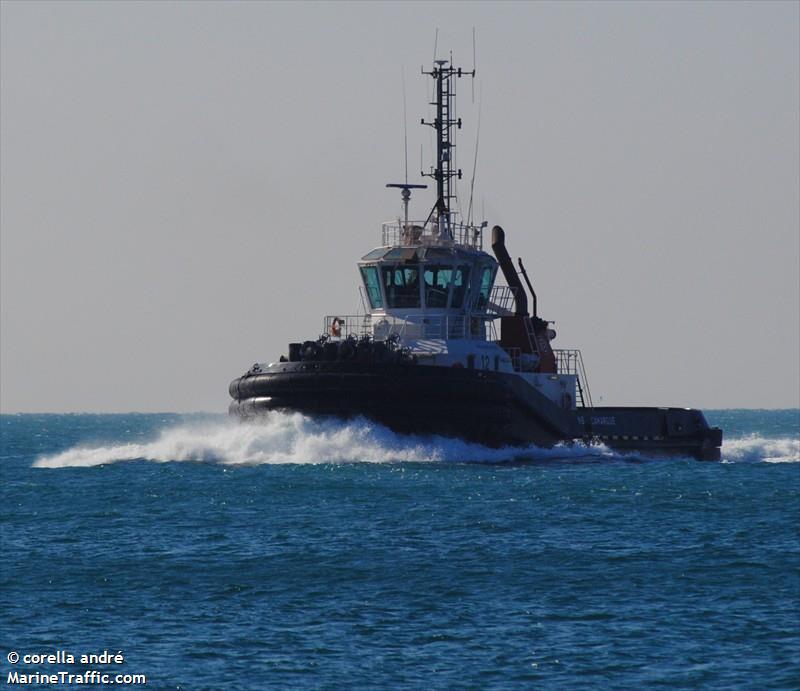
x,y
186,187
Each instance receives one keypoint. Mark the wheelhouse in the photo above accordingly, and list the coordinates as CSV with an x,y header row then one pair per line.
x,y
399,280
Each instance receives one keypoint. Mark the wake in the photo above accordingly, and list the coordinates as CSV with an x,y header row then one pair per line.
x,y
295,438
754,448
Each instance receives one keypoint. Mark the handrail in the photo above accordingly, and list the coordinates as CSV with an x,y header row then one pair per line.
x,y
343,326
472,326
502,301
417,232
570,361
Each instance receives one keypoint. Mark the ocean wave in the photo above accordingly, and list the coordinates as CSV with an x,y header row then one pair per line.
x,y
295,438
754,448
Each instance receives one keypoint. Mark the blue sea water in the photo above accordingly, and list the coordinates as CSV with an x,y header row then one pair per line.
x,y
307,554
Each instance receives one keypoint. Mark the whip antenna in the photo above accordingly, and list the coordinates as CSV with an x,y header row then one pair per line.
x,y
474,68
474,166
405,122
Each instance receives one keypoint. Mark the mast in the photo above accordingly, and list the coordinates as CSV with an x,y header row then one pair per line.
x,y
444,76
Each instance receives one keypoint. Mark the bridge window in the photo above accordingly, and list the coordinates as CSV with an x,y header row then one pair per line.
x,y
403,253
460,281
402,285
373,285
487,279
437,284
375,254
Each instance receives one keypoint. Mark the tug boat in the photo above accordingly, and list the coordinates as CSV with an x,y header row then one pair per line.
x,y
441,350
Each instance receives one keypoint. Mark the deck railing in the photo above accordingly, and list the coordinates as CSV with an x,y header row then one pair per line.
x,y
571,362
412,326
501,301
417,233
338,326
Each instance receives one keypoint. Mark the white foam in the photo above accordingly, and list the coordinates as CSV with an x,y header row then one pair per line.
x,y
294,438
755,448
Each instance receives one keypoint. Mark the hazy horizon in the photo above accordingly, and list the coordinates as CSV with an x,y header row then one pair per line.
x,y
186,187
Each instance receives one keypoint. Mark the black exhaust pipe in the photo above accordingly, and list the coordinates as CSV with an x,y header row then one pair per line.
x,y
510,273
528,282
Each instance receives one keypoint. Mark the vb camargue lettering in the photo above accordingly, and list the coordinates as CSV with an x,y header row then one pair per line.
x,y
600,420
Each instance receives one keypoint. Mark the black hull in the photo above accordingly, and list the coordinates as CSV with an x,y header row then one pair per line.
x,y
487,407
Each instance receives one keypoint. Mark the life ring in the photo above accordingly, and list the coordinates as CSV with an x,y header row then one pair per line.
x,y
336,328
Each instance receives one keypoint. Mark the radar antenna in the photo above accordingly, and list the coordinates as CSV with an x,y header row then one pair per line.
x,y
406,195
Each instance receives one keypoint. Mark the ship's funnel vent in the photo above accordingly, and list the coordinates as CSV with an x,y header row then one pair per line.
x,y
510,273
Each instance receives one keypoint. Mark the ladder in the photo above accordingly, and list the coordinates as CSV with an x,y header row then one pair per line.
x,y
581,397
583,389
529,330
